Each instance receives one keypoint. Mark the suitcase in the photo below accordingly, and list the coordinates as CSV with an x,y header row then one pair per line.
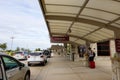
x,y
92,64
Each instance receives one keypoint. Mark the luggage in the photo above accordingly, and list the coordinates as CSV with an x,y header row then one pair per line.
x,y
92,64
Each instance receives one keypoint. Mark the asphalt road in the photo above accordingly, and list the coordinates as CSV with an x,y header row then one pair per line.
x,y
37,71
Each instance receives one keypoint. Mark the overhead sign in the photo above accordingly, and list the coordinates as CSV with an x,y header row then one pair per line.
x,y
59,38
117,44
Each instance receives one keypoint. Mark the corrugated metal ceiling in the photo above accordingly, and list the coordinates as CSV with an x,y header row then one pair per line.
x,y
91,20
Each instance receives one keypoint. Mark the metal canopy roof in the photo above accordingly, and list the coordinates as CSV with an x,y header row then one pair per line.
x,y
82,20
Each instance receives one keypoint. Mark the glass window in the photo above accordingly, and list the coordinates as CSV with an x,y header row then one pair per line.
x,y
46,53
10,63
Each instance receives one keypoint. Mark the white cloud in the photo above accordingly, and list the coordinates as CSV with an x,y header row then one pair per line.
x,y
23,19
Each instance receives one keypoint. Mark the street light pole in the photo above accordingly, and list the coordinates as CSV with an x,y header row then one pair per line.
x,y
12,42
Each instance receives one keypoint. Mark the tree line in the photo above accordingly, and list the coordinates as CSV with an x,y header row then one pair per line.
x,y
3,48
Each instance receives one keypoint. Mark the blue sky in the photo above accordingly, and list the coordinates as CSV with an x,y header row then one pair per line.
x,y
23,20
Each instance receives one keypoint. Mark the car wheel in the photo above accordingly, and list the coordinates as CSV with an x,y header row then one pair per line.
x,y
43,64
27,77
45,61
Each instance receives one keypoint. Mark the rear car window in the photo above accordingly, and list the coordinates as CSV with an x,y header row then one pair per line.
x,y
35,54
46,52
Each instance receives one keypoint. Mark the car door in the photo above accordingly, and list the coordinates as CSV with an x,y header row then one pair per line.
x,y
12,68
2,71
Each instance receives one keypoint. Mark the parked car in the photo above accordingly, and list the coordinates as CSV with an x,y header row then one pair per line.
x,y
21,55
37,58
12,69
47,53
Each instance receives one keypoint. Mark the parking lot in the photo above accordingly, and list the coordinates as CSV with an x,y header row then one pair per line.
x,y
60,68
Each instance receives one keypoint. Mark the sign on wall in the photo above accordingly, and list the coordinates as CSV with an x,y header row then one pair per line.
x,y
117,45
59,38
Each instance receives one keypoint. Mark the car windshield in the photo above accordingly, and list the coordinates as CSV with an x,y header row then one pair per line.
x,y
46,52
35,54
18,53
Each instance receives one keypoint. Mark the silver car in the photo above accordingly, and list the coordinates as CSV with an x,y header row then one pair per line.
x,y
12,69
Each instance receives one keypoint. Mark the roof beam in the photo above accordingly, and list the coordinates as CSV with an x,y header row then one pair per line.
x,y
113,21
82,20
87,21
80,7
48,28
42,4
74,20
116,0
108,24
104,40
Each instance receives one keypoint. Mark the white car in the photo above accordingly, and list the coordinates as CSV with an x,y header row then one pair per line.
x,y
12,69
36,58
20,55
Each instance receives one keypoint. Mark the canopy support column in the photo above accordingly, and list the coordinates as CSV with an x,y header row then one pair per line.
x,y
115,57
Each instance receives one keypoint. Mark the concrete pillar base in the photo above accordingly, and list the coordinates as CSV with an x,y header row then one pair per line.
x,y
115,69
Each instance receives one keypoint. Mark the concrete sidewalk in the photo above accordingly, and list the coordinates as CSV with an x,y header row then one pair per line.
x,y
61,68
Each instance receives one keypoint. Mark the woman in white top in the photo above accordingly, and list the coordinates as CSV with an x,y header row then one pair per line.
x,y
91,54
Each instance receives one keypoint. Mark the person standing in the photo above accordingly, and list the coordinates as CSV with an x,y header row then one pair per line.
x,y
91,54
91,58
